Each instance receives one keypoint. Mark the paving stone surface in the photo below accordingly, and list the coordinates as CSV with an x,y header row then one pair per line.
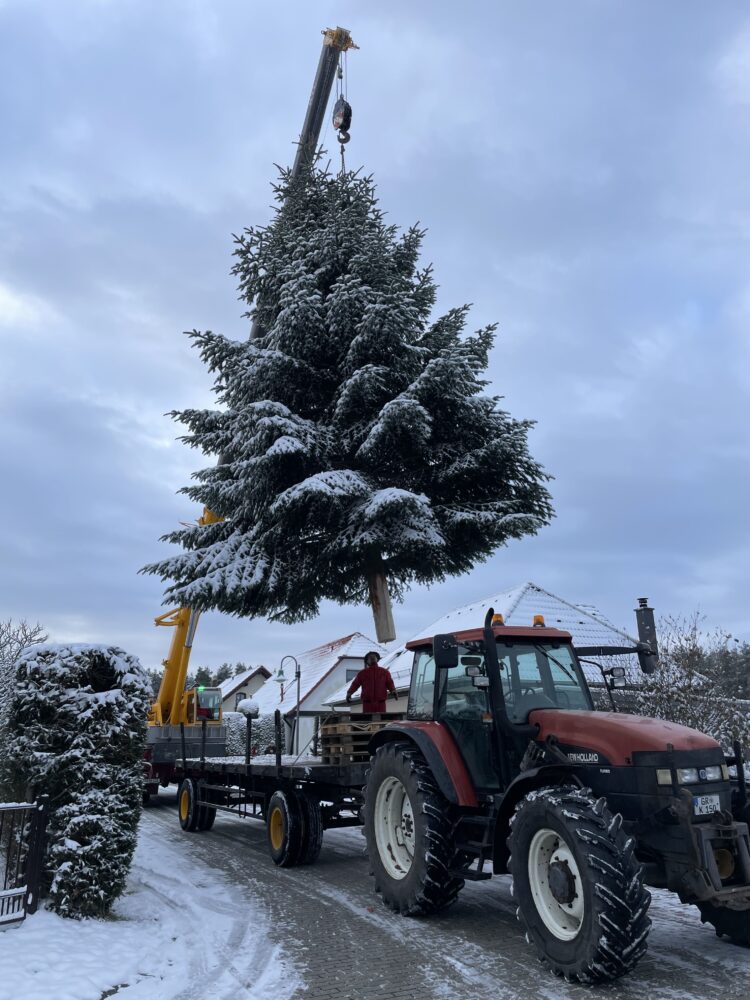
x,y
345,945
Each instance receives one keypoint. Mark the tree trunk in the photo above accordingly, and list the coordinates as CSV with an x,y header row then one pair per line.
x,y
380,602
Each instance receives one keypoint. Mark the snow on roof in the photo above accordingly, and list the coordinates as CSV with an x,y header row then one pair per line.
x,y
518,606
315,664
232,684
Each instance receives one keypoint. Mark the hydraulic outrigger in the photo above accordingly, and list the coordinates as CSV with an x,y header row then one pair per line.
x,y
177,716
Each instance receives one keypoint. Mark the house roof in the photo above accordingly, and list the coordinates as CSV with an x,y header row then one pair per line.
x,y
518,606
315,665
232,684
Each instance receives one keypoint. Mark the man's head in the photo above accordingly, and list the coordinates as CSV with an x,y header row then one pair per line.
x,y
371,659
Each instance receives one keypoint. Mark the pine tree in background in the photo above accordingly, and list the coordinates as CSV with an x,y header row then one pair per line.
x,y
359,445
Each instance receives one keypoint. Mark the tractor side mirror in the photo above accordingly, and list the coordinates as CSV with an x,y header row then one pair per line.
x,y
480,682
617,678
445,651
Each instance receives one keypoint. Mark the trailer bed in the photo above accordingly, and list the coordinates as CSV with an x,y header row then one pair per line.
x,y
304,770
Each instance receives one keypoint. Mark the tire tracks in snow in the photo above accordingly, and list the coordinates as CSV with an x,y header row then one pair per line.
x,y
327,915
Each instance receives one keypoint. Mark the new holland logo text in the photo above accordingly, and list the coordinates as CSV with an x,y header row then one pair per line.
x,y
584,758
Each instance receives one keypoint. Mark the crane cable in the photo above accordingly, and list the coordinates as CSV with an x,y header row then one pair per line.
x,y
342,110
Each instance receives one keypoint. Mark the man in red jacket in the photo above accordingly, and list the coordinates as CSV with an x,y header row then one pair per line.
x,y
375,682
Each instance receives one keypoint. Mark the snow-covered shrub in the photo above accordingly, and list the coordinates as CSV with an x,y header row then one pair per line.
x,y
264,733
236,733
684,688
15,637
77,733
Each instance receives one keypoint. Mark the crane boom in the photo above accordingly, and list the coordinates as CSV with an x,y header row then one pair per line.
x,y
171,704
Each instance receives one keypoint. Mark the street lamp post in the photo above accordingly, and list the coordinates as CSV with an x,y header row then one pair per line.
x,y
297,679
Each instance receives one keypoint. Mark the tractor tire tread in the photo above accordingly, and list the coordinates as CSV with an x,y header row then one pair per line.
x,y
621,922
437,888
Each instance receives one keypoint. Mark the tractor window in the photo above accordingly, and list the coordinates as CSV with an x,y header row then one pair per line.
x,y
540,676
422,691
464,708
460,698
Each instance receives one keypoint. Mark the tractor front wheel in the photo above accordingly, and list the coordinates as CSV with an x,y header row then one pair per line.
x,y
578,885
409,834
734,924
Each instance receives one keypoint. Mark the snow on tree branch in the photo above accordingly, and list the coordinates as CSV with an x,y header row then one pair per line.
x,y
357,437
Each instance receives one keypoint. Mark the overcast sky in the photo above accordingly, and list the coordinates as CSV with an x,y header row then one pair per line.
x,y
582,168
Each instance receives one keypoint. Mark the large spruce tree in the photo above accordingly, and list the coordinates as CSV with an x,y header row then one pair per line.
x,y
358,443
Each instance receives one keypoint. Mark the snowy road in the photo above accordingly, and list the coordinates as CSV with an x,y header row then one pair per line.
x,y
339,940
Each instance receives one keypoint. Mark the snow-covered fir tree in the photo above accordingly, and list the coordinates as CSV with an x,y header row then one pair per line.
x,y
358,440
77,734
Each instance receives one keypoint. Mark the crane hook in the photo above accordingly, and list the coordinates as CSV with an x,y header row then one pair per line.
x,y
342,117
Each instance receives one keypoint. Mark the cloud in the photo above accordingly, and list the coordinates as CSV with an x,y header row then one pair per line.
x,y
733,68
582,173
18,310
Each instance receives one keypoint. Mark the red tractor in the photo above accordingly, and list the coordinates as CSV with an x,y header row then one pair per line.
x,y
502,761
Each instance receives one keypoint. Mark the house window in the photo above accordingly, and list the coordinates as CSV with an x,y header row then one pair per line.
x,y
238,698
351,674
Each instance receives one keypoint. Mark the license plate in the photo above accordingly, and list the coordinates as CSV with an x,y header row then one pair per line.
x,y
706,805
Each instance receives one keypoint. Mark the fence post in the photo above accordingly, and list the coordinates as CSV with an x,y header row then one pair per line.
x,y
35,854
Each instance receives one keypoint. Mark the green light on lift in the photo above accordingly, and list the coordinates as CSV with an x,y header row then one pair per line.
x,y
201,688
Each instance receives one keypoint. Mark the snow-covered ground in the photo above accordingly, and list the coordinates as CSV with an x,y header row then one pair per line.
x,y
179,933
209,916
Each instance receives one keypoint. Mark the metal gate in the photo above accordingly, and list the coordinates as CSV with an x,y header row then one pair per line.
x,y
22,826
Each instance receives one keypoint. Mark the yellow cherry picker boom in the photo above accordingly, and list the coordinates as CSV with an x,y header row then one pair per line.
x,y
189,721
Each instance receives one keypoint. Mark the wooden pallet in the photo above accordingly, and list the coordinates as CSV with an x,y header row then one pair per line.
x,y
352,727
358,723
345,738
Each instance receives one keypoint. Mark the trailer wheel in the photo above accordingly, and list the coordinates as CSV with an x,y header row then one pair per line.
x,y
206,817
734,924
409,833
312,834
578,885
187,805
284,828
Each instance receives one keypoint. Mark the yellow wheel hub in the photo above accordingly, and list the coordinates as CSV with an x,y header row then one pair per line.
x,y
184,804
276,829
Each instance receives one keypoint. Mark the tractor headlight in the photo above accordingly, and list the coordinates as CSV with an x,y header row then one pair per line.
x,y
687,775
715,773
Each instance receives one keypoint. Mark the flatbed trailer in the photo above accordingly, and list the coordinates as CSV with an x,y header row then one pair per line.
x,y
297,797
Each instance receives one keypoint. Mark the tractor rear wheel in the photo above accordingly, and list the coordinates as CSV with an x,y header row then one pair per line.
x,y
734,924
284,829
578,885
409,833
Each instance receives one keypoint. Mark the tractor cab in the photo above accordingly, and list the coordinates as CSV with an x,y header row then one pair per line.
x,y
452,683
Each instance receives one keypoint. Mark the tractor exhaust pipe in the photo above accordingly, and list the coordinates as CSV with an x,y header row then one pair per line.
x,y
648,648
